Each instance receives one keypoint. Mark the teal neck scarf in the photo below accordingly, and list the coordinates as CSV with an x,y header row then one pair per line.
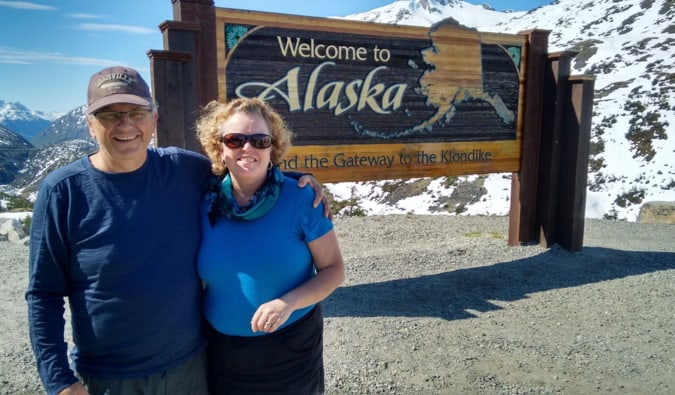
x,y
225,205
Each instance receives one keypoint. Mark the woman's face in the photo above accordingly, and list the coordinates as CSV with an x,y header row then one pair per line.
x,y
246,162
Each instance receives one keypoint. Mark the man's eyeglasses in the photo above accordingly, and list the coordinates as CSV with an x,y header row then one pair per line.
x,y
237,140
115,117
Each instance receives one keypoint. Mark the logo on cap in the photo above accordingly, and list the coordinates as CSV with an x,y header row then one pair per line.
x,y
114,80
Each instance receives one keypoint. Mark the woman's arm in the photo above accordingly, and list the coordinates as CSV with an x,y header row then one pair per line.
x,y
330,274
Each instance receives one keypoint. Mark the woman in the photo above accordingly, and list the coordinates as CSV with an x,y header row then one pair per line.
x,y
267,258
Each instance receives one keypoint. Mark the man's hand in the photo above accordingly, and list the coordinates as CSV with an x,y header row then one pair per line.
x,y
74,389
318,194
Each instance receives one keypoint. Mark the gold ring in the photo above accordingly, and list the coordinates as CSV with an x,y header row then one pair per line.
x,y
267,324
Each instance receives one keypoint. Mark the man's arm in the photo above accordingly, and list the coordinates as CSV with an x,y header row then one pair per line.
x,y
47,286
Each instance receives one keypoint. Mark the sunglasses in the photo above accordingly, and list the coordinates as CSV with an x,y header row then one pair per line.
x,y
237,140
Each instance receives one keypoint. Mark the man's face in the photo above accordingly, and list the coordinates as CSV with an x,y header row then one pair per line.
x,y
123,133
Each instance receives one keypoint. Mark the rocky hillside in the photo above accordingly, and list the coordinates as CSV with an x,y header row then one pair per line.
x,y
23,165
43,160
71,126
627,45
14,151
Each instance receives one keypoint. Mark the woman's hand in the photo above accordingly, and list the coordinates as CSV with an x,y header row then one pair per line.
x,y
270,316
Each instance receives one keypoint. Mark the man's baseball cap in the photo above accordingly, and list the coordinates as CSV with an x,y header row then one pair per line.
x,y
117,84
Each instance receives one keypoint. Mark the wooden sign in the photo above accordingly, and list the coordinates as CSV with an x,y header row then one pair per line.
x,y
371,101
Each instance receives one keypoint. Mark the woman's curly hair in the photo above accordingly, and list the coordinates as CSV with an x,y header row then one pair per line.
x,y
215,113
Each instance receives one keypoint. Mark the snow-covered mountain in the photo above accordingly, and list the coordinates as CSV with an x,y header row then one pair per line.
x,y
21,120
23,165
14,151
71,126
627,45
43,160
427,12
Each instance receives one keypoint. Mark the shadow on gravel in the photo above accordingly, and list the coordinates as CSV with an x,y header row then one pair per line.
x,y
448,295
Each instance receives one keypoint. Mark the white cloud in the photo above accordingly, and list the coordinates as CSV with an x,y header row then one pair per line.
x,y
85,16
116,28
25,5
8,55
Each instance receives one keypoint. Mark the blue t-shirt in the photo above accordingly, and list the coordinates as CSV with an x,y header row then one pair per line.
x,y
247,263
122,248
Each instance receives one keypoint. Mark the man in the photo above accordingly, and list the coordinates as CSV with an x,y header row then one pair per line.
x,y
117,233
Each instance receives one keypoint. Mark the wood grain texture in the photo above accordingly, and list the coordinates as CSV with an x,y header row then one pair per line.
x,y
357,94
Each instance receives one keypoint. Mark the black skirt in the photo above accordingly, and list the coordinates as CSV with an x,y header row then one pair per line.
x,y
288,361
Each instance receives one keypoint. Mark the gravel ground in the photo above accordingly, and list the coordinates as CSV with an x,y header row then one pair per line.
x,y
441,305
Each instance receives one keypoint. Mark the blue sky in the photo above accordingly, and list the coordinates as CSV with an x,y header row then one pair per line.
x,y
49,48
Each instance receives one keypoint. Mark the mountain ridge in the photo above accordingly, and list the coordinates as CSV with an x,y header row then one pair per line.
x,y
23,121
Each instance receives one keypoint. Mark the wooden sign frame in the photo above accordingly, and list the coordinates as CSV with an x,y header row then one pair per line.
x,y
461,132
